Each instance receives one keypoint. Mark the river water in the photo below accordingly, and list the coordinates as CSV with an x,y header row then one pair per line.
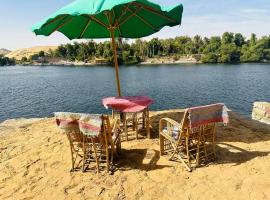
x,y
40,91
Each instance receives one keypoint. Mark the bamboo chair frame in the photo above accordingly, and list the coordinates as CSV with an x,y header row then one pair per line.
x,y
85,150
101,149
75,139
192,146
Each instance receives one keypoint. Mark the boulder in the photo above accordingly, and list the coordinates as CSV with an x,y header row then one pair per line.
x,y
261,112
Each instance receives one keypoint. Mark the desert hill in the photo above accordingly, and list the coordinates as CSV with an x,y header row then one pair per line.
x,y
27,52
4,51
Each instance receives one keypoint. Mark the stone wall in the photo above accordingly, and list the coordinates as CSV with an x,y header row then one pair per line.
x,y
261,112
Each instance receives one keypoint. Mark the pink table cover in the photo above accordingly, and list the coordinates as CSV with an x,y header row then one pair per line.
x,y
128,104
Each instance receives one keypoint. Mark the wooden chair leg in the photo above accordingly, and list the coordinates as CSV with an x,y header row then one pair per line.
x,y
107,154
113,151
198,152
214,142
204,146
187,166
188,154
96,156
161,144
71,152
84,152
205,150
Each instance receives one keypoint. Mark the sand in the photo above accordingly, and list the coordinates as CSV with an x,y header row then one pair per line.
x,y
35,164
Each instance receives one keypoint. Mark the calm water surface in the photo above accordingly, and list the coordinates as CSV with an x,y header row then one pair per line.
x,y
40,91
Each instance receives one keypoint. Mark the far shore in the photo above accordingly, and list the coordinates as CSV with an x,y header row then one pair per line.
x,y
148,62
155,61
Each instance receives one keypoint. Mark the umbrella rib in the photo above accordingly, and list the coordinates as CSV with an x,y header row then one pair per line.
x,y
155,12
109,18
131,15
119,30
85,28
61,25
113,16
120,17
144,21
99,22
121,23
54,20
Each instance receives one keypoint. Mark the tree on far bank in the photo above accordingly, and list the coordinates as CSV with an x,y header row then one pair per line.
x,y
227,38
253,39
24,59
41,54
239,40
229,53
231,47
5,61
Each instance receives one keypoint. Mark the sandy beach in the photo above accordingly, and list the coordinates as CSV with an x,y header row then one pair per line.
x,y
35,164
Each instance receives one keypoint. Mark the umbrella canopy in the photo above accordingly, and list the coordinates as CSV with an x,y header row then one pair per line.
x,y
110,19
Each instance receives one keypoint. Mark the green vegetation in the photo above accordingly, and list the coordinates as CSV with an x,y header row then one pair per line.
x,y
4,61
230,48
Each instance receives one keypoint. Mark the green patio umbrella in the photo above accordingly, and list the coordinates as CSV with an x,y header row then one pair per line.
x,y
85,19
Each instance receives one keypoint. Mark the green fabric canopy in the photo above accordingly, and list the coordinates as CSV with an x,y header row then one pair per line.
x,y
92,18
110,19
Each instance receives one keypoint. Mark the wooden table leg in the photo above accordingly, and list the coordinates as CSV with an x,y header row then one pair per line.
x,y
113,114
147,123
143,119
125,125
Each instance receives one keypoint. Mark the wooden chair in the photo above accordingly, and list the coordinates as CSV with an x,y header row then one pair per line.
x,y
86,149
68,122
100,147
191,146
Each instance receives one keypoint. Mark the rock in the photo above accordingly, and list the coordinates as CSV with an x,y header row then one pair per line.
x,y
261,112
4,52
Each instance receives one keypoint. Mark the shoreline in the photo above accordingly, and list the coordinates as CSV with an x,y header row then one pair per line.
x,y
147,63
151,112
139,64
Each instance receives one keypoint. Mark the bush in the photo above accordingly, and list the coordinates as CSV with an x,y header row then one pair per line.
x,y
210,58
4,61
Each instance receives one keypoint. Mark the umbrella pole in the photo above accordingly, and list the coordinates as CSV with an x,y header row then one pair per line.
x,y
115,62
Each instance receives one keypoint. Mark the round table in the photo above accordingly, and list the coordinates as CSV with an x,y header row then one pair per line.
x,y
131,104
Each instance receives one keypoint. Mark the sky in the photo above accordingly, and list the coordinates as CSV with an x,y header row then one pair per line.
x,y
202,17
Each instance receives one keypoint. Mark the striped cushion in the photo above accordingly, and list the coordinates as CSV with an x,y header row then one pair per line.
x,y
203,115
175,132
90,124
67,121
